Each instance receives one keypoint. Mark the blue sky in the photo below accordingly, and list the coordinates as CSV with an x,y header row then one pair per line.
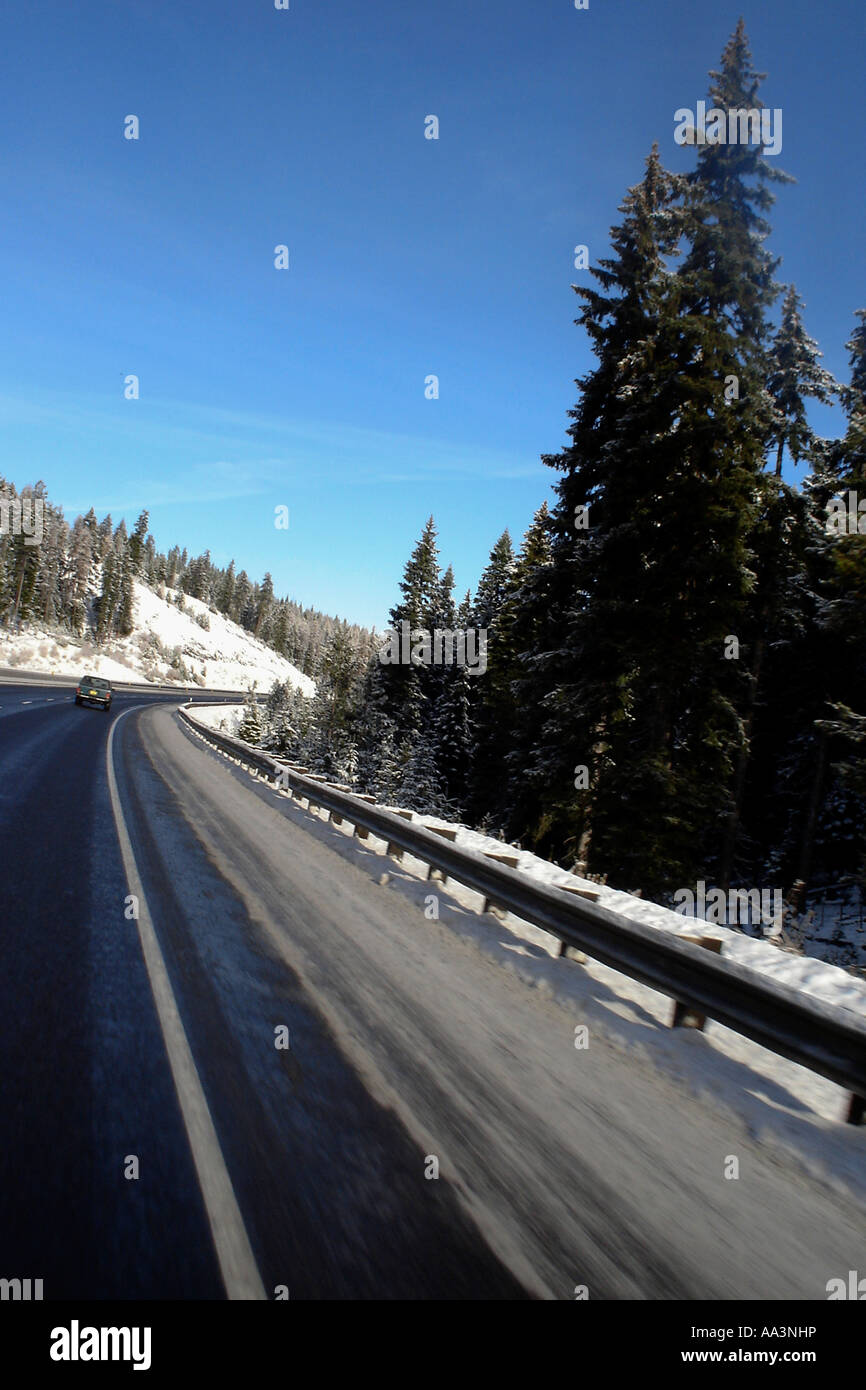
x,y
408,256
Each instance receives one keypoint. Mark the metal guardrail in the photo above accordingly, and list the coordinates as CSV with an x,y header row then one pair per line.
x,y
831,1042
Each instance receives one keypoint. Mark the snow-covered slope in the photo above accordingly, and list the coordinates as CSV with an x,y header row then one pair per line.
x,y
168,645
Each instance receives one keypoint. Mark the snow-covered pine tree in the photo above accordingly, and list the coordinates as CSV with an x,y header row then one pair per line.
x,y
845,615
490,708
279,628
378,768
137,545
226,591
104,537
408,687
242,600
421,785
598,682
524,632
796,376
79,573
252,726
108,598
728,289
783,753
22,563
334,708
450,696
264,606
52,562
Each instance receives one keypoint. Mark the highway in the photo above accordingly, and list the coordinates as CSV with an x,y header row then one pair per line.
x,y
266,1170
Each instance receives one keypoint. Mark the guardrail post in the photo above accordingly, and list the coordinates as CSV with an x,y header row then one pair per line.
x,y
856,1109
511,861
684,1015
572,953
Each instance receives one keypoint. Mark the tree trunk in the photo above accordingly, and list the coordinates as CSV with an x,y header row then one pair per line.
x,y
804,865
727,860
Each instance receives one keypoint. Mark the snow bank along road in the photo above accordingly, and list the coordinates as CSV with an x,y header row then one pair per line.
x,y
149,1044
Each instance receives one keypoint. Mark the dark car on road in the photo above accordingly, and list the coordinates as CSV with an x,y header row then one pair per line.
x,y
94,690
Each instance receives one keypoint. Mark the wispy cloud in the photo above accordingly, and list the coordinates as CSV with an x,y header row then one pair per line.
x,y
270,447
213,482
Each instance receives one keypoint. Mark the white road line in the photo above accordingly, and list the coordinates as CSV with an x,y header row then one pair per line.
x,y
237,1262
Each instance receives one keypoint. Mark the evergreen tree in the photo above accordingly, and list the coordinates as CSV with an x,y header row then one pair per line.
x,y
108,598
378,766
251,729
80,574
23,562
495,583
48,592
334,707
264,603
242,598
847,603
126,597
409,686
149,568
226,591
449,697
104,537
137,545
490,712
796,375
279,634
421,785
728,289
617,597
196,579
524,631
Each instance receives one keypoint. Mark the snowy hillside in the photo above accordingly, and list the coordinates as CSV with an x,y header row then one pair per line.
x,y
169,644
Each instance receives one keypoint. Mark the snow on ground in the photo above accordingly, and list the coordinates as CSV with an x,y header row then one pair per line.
x,y
168,645
36,650
226,719
834,923
784,1105
816,977
750,1080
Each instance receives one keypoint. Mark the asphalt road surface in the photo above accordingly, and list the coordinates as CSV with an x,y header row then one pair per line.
x,y
163,917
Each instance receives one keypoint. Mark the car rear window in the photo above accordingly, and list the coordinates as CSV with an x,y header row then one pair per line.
x,y
97,682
